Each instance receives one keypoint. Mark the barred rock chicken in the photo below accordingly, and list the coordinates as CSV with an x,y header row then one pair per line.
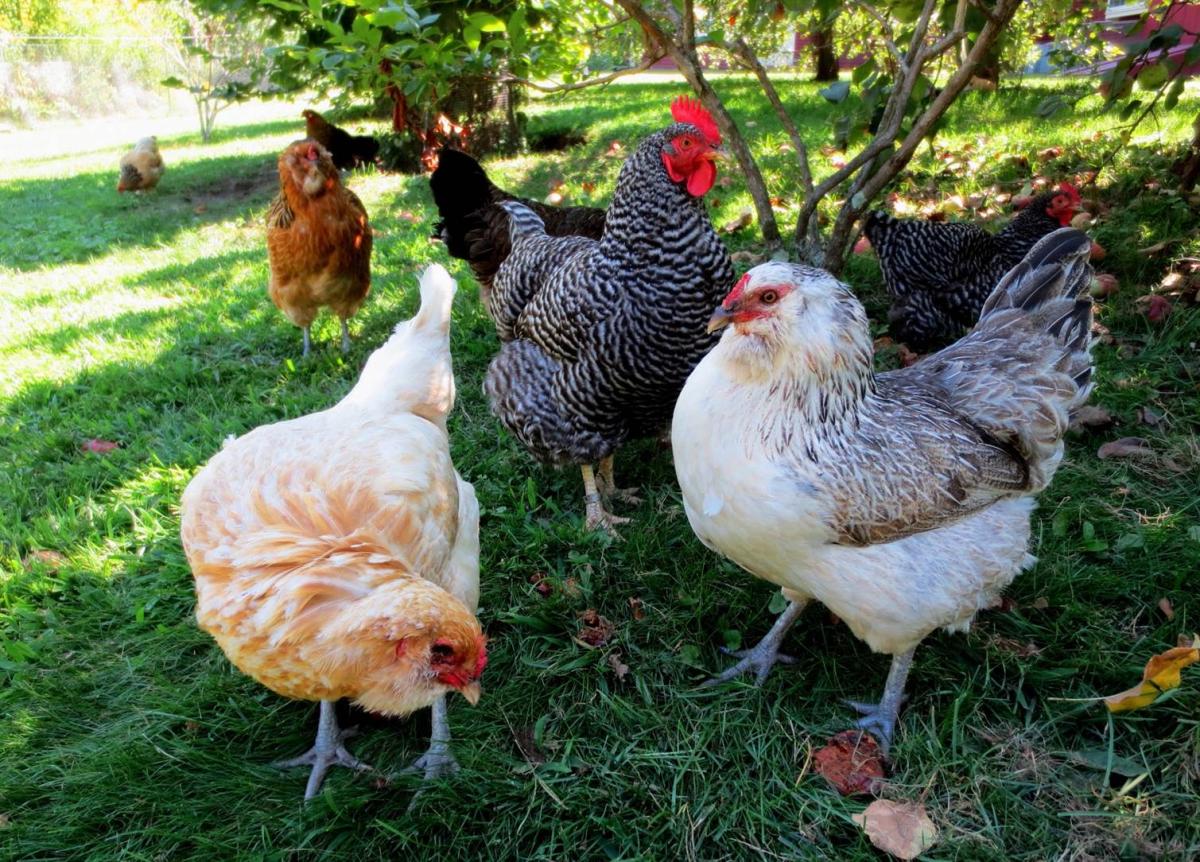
x,y
337,554
347,151
939,274
142,167
318,241
599,335
900,501
476,231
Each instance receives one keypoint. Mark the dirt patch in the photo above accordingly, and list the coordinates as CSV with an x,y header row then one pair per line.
x,y
261,183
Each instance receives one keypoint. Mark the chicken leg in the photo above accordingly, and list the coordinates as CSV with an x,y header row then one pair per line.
x,y
765,653
307,342
437,762
880,718
345,336
607,485
597,515
327,751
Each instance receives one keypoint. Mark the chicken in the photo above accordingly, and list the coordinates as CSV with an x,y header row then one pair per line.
x,y
348,151
900,501
318,241
938,274
599,336
142,167
476,231
337,554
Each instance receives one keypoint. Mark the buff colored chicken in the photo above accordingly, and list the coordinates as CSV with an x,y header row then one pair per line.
x,y
900,501
142,167
318,241
337,554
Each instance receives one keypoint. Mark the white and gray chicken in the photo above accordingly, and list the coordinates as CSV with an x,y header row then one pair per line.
x,y
901,500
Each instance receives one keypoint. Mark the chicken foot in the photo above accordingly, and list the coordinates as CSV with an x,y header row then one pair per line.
x,y
765,654
307,342
437,762
327,751
597,515
607,485
880,718
345,336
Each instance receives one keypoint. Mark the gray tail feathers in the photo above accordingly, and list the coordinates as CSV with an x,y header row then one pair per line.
x,y
1051,286
522,221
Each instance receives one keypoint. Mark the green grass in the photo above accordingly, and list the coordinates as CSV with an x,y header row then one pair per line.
x,y
126,735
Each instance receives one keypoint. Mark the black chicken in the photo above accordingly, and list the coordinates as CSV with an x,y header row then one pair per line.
x,y
348,151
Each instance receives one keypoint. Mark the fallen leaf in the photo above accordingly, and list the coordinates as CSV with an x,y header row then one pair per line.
x,y
1162,674
52,560
619,667
1049,153
200,209
744,219
1104,284
541,583
571,588
1149,416
614,149
635,608
778,202
1155,307
725,182
526,741
907,357
1097,252
1040,603
1090,417
1168,610
191,726
594,629
1082,221
852,762
588,187
5,821
744,257
99,446
902,829
1012,646
406,215
1157,247
1126,447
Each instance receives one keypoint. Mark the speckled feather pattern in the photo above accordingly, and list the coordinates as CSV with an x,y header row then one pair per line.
x,y
318,543
938,274
900,500
602,334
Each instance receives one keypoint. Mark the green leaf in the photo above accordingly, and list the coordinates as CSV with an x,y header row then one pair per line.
x,y
1059,526
1127,541
485,22
861,73
778,604
472,37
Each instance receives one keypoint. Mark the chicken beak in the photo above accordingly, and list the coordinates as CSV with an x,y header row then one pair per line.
x,y
471,692
721,318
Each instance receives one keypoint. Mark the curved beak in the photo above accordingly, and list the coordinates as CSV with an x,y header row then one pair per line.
x,y
471,692
721,318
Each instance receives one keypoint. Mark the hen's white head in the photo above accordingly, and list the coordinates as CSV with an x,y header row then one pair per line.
x,y
788,317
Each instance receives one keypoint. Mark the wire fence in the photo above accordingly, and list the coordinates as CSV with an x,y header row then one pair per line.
x,y
60,77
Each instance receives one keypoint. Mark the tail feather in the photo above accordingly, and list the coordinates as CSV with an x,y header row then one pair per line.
x,y
460,185
522,221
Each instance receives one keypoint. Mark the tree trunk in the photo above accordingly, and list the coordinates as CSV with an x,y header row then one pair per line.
x,y
827,61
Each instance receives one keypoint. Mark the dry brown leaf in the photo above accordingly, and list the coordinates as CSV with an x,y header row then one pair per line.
x,y
1091,417
526,743
1155,306
1168,610
1012,646
1049,153
1082,221
852,762
594,629
744,257
1104,284
745,219
542,584
52,560
1162,673
101,447
635,608
1126,447
619,667
1149,416
902,829
1040,603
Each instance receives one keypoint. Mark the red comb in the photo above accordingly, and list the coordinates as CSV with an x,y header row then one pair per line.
x,y
1070,191
686,110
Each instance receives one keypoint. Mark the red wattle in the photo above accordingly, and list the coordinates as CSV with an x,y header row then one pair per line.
x,y
702,178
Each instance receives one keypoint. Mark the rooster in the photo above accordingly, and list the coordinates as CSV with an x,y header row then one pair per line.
x,y
141,168
347,151
475,230
337,554
599,335
900,501
938,275
318,241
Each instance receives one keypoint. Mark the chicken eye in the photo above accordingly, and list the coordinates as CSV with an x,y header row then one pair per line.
x,y
685,143
768,297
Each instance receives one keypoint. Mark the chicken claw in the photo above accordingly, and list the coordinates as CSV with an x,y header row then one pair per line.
x,y
880,718
607,485
327,751
437,762
765,654
345,336
597,516
307,342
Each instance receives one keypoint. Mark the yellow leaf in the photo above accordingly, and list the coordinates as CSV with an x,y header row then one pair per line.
x,y
902,829
1162,674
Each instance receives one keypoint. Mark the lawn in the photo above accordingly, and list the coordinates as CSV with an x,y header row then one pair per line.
x,y
125,734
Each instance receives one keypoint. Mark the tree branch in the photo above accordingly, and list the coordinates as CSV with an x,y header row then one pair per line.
x,y
589,82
